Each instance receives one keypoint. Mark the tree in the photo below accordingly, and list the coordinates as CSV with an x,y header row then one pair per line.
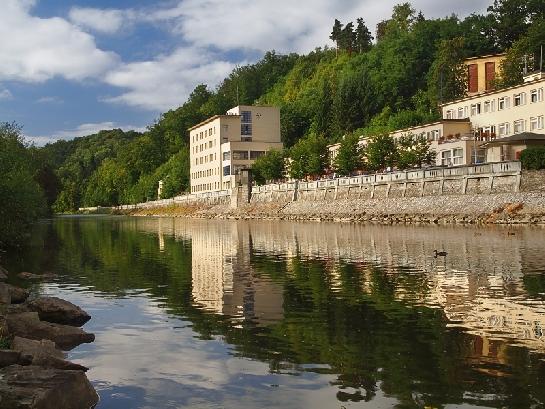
x,y
413,151
336,34
22,198
347,40
380,152
448,74
270,166
308,156
363,37
349,155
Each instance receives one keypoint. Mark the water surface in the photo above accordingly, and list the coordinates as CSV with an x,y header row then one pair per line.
x,y
225,314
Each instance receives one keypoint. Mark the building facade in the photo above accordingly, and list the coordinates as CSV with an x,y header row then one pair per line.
x,y
481,72
224,144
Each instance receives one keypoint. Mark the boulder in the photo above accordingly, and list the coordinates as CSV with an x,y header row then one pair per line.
x,y
44,353
58,311
5,297
28,325
18,295
9,357
34,387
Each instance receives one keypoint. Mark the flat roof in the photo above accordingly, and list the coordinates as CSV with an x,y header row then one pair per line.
x,y
483,57
442,121
496,91
520,137
212,118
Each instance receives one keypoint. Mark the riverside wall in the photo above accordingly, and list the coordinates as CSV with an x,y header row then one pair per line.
x,y
490,193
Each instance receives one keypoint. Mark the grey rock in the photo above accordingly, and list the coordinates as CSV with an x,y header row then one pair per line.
x,y
9,357
28,325
34,387
44,353
56,310
31,276
18,295
5,297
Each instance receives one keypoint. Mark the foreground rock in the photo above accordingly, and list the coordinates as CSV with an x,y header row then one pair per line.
x,y
43,353
31,276
34,387
5,297
56,310
28,325
18,295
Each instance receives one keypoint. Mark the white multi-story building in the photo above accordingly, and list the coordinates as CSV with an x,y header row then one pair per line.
x,y
224,144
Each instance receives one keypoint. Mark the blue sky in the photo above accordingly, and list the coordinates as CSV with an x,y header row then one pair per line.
x,y
71,68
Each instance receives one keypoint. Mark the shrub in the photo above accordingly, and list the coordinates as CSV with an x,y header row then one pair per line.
x,y
533,158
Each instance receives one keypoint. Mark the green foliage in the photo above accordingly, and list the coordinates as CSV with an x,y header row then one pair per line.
x,y
380,152
412,151
22,199
349,156
270,166
308,156
533,158
448,75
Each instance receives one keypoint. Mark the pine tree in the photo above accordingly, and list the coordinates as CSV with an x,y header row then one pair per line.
x,y
363,37
336,33
348,38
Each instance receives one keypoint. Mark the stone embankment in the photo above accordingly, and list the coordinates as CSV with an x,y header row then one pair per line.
x,y
525,206
34,333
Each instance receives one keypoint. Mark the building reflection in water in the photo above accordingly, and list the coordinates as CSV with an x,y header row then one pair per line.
x,y
479,284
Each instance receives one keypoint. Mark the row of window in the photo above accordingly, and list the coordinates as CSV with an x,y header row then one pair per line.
x,y
205,187
233,170
520,125
203,134
242,155
205,159
206,145
499,104
205,173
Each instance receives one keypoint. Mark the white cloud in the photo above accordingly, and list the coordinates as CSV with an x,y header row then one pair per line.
x,y
5,94
166,82
104,21
37,49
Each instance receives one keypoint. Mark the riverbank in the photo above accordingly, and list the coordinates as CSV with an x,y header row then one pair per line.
x,y
34,333
501,208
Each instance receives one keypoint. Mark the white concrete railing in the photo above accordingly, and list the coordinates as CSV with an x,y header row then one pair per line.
x,y
186,198
406,176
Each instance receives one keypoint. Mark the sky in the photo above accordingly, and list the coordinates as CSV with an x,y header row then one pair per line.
x,y
71,68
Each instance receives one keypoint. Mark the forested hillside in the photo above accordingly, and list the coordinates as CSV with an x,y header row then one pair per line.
x,y
362,85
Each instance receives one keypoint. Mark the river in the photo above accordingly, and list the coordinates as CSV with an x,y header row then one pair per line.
x,y
268,314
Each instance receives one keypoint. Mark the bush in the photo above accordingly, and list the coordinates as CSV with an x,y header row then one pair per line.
x,y
533,158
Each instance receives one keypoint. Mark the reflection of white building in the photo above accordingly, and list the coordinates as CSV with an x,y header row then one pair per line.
x,y
479,285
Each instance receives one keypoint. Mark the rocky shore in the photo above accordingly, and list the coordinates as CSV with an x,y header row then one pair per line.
x,y
34,333
500,208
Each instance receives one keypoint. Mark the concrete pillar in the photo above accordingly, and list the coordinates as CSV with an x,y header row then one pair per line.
x,y
441,186
490,183
404,189
388,189
295,192
422,186
464,186
372,191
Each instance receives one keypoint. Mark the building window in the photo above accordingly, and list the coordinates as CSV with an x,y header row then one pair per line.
x,y
519,99
503,129
246,129
246,117
446,158
256,154
458,156
460,113
450,114
518,126
209,144
536,95
226,155
488,106
226,170
240,155
211,157
503,103
536,123
475,109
